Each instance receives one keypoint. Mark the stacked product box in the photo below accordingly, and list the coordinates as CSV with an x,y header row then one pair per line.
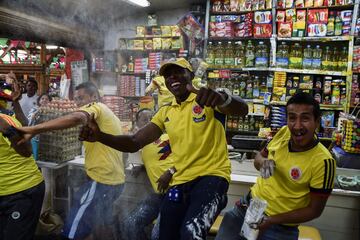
x,y
126,85
114,103
141,65
155,60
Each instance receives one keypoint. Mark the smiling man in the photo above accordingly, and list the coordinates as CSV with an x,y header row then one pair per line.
x,y
297,176
194,123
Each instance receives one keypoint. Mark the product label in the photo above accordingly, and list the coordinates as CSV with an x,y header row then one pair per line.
x,y
261,62
209,61
307,63
282,62
219,61
316,63
295,61
230,61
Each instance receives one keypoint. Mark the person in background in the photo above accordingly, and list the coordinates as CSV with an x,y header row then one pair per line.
x,y
92,213
164,95
22,186
28,99
297,177
42,100
194,122
12,97
156,157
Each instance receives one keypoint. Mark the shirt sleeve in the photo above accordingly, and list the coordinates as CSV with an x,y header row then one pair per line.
x,y
92,108
323,175
160,118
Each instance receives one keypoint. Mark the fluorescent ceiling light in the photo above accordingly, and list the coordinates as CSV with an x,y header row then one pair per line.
x,y
141,3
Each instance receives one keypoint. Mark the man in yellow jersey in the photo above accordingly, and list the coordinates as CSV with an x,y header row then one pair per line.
x,y
22,186
195,124
164,95
297,176
156,157
92,214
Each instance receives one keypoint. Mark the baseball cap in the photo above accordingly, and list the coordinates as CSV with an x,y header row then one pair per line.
x,y
181,62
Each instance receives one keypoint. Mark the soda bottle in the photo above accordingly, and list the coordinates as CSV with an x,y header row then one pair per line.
x,y
326,59
307,60
210,56
316,61
239,55
219,56
296,56
282,56
249,55
261,56
229,60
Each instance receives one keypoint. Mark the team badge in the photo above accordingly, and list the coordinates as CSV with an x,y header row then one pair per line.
x,y
197,110
295,173
15,215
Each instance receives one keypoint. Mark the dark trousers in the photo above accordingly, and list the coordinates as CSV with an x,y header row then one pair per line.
x,y
20,212
191,216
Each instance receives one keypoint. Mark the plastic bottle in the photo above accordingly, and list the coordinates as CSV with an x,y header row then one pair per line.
x,y
210,56
296,56
249,55
229,59
334,59
307,60
343,60
326,59
316,61
256,88
282,56
219,56
236,87
261,56
331,25
249,89
338,25
239,55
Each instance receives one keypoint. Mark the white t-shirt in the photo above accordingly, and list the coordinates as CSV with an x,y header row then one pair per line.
x,y
27,103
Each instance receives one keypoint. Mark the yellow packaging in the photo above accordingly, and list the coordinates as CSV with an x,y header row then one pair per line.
x,y
166,43
258,108
175,31
309,3
177,43
157,43
148,44
138,45
250,107
156,31
166,31
140,31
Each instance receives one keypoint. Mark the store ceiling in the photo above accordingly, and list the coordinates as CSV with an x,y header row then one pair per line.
x,y
93,17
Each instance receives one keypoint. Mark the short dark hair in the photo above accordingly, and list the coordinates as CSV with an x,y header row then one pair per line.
x,y
32,81
89,88
307,99
44,94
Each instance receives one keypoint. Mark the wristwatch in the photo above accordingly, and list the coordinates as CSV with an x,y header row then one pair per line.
x,y
172,170
227,94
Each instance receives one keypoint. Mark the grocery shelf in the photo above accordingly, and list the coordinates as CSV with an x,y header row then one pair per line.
x,y
329,7
235,38
306,71
238,12
242,132
316,39
254,100
241,69
256,114
331,107
132,73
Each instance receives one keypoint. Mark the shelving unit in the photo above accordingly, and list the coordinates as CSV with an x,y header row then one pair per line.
x,y
275,40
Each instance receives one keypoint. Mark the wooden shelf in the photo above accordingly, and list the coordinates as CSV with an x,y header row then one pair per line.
x,y
22,68
238,12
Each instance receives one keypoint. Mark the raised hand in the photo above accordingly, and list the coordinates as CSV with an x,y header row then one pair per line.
x,y
206,96
91,131
267,168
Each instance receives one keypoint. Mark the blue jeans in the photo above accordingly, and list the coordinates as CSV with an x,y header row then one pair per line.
x,y
190,214
233,220
133,226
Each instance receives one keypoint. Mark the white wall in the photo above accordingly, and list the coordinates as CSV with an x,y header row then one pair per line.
x,y
127,27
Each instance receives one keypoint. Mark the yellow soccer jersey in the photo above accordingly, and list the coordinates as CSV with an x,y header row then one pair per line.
x,y
296,175
102,163
157,159
17,173
197,137
164,95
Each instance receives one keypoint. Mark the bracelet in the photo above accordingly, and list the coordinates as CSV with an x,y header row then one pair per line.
x,y
172,171
10,132
227,101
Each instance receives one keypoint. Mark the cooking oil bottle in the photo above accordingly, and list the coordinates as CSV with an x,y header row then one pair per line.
x,y
210,56
296,56
219,56
229,59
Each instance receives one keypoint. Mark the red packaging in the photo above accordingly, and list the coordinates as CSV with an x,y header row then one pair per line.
x,y
262,30
318,15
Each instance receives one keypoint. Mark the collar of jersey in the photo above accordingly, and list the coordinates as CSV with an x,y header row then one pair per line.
x,y
190,98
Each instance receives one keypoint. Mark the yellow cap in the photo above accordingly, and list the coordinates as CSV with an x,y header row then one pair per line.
x,y
181,62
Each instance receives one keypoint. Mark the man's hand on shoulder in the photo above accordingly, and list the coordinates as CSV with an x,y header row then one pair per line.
x,y
91,131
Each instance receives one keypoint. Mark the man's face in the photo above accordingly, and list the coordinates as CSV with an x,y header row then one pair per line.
x,y
302,125
176,79
31,89
81,97
44,100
